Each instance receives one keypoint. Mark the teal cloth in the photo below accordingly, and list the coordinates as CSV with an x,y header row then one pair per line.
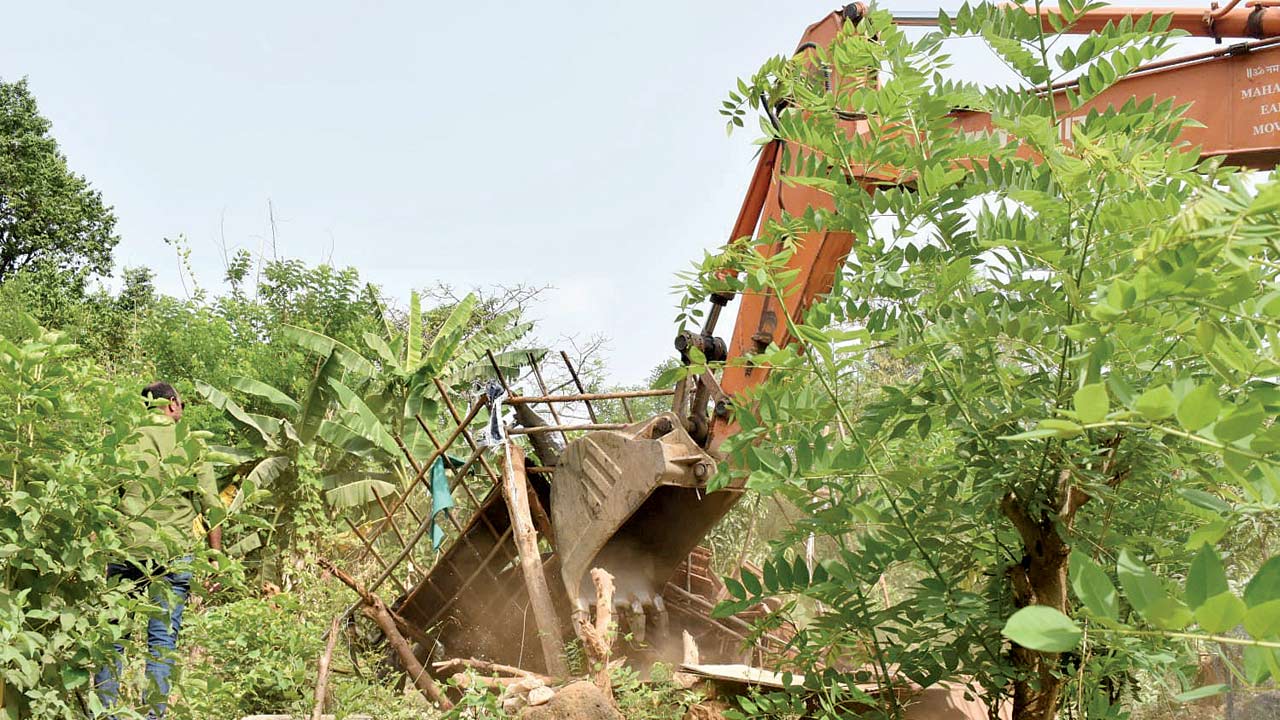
x,y
441,500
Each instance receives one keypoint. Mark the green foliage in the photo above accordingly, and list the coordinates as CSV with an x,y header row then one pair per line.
x,y
657,698
1089,320
334,444
63,465
51,221
266,670
1039,627
231,673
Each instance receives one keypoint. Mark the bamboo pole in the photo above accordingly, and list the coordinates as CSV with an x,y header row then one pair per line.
x,y
420,474
583,397
374,553
551,406
578,383
515,491
559,428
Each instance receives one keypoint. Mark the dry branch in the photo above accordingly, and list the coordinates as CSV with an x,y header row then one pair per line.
x,y
487,667
322,668
377,611
467,680
597,641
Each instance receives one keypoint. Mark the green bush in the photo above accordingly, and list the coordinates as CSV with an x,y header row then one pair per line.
x,y
253,656
258,655
60,434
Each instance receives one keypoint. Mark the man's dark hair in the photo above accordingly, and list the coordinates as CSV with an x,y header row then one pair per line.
x,y
158,390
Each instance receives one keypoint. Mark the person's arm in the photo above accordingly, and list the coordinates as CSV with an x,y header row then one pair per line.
x,y
214,511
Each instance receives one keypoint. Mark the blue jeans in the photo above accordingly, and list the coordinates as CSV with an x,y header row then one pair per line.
x,y
162,633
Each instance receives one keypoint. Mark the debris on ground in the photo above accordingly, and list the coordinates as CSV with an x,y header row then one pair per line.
x,y
580,700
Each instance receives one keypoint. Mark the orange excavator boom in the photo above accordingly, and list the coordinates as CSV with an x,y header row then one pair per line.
x,y
1233,93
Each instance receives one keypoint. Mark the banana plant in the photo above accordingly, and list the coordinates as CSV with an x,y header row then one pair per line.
x,y
278,444
354,407
404,387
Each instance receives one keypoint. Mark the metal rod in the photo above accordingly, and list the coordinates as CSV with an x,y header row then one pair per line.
x,y
713,317
620,395
915,18
578,383
562,428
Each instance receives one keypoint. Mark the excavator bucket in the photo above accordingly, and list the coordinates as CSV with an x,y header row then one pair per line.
x,y
633,502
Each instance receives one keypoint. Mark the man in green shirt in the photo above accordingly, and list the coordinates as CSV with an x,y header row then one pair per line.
x,y
166,514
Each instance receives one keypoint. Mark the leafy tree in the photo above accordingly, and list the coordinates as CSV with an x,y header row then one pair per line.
x,y
50,218
1094,320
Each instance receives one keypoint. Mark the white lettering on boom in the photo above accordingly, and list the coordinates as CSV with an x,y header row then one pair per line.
x,y
1266,128
1257,91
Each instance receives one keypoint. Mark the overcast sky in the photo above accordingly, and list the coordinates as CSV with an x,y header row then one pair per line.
x,y
575,145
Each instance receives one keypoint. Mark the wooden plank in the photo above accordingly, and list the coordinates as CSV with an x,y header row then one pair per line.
x,y
515,491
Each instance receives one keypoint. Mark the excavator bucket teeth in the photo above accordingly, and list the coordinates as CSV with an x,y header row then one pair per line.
x,y
633,502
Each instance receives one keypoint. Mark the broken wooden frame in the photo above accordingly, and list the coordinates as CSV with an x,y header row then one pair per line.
x,y
466,596
480,549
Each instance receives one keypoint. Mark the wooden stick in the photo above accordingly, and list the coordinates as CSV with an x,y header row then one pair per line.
x,y
395,529
559,428
377,611
542,385
582,397
515,491
368,546
419,475
578,383
502,684
322,668
487,667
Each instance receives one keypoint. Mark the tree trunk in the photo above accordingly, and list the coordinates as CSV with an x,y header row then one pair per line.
x,y
1039,579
